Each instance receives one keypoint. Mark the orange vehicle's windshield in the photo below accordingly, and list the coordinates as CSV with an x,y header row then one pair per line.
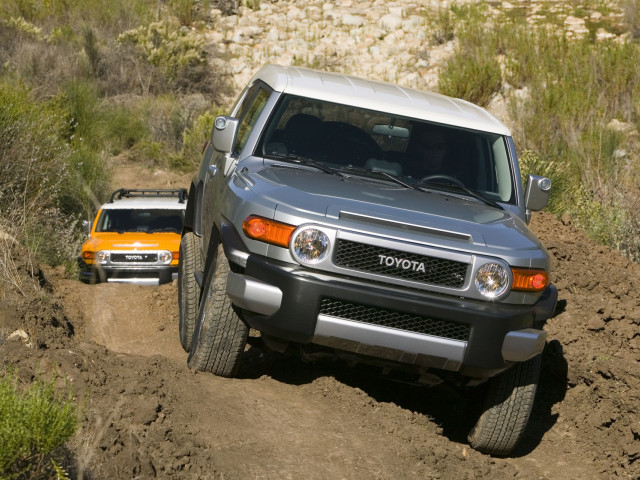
x,y
139,220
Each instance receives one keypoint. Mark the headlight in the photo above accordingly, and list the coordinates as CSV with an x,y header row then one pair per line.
x,y
103,257
310,245
492,280
165,257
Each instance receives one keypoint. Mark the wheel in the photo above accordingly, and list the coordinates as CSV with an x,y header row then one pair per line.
x,y
189,262
96,276
446,178
507,407
219,336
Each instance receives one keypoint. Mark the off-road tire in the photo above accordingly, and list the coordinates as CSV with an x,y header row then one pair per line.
x,y
507,407
97,276
190,261
219,336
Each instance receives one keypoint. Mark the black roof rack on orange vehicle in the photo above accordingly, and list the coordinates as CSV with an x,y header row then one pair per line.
x,y
181,193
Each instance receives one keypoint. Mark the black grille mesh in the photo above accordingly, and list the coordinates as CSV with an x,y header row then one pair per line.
x,y
393,319
367,258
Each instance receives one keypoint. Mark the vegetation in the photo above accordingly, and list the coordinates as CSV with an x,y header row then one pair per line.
x,y
34,424
81,82
574,110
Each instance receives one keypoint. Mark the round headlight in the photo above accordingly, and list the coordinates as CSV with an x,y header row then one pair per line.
x,y
103,257
165,257
492,280
310,245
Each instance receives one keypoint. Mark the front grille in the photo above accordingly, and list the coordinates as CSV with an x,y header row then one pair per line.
x,y
394,319
134,257
398,264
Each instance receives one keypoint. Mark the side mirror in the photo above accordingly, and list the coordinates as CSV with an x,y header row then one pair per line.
x,y
536,194
86,227
224,133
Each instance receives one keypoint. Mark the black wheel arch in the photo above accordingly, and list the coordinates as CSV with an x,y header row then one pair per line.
x,y
193,213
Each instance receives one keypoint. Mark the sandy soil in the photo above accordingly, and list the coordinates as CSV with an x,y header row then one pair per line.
x,y
149,416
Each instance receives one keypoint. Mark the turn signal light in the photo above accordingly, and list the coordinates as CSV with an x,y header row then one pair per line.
x,y
88,255
268,231
529,280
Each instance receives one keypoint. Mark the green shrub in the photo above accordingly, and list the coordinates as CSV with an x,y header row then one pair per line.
x,y
631,10
49,179
572,91
193,141
475,77
124,126
34,423
443,29
575,90
473,73
168,47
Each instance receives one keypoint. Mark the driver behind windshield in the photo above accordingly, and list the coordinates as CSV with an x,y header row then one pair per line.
x,y
428,152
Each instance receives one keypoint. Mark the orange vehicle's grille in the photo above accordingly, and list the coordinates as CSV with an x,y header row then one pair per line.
x,y
134,257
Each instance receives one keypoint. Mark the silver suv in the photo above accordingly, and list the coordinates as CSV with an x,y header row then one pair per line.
x,y
375,223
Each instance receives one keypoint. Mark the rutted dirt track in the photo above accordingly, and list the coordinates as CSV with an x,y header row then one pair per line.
x,y
149,416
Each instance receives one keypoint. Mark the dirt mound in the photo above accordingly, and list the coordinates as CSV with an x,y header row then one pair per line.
x,y
148,416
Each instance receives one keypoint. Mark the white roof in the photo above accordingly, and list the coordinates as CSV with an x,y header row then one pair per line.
x,y
380,96
163,203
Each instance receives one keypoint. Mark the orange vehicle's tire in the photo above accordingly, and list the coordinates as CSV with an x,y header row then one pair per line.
x,y
190,262
220,335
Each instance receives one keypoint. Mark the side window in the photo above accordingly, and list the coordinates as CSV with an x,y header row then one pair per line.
x,y
248,114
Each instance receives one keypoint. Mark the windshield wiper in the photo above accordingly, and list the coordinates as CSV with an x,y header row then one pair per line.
x,y
386,175
468,191
295,158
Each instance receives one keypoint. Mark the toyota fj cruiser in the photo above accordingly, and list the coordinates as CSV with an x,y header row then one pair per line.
x,y
375,223
135,237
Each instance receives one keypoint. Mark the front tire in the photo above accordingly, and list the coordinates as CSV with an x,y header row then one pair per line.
x,y
190,261
219,336
507,408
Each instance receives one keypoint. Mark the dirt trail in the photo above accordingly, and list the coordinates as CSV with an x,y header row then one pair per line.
x,y
149,416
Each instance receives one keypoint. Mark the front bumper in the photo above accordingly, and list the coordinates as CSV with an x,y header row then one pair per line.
x,y
475,338
134,274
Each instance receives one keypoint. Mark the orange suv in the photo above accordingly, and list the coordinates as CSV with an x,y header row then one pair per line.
x,y
135,237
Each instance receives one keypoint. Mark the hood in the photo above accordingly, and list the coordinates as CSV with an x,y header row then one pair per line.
x,y
297,190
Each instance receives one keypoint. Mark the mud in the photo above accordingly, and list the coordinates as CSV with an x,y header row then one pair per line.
x,y
146,415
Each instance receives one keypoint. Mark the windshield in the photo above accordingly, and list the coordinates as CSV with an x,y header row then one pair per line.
x,y
353,140
140,220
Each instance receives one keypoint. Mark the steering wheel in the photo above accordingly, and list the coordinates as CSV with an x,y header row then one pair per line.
x,y
448,178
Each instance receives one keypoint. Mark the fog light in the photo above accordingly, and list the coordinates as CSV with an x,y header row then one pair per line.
x,y
310,245
492,280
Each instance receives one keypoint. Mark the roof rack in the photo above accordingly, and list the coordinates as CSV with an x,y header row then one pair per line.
x,y
181,193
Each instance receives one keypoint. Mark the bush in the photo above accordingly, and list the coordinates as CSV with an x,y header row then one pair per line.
x,y
576,90
193,140
631,9
34,424
173,49
474,77
50,179
473,73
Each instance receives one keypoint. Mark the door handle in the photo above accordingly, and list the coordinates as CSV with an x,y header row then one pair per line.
x,y
213,170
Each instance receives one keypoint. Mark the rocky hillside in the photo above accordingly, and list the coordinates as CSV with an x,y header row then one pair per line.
x,y
401,41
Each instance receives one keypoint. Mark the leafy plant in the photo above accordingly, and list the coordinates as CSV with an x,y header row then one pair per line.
x,y
34,423
166,46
